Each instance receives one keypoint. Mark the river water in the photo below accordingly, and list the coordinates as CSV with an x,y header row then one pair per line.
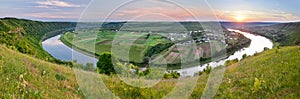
x,y
60,51
63,52
258,43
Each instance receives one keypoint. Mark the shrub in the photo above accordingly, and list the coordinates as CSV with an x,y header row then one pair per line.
x,y
105,64
173,74
257,85
230,62
244,56
207,70
200,73
265,49
168,76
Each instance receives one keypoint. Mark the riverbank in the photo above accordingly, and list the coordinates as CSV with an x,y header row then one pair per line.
x,y
65,52
193,67
240,43
189,69
257,45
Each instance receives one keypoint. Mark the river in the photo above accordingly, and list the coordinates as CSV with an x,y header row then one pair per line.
x,y
60,51
63,52
258,43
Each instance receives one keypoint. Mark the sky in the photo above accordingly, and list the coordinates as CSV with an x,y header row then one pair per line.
x,y
152,10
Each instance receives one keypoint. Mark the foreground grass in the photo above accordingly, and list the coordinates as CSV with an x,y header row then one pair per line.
x,y
22,76
272,74
277,72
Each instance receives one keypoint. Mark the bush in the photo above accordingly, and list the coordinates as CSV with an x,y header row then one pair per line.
x,y
200,73
168,76
265,49
173,74
105,64
257,86
230,62
244,56
207,70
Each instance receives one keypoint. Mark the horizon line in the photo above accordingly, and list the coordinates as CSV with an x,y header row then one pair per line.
x,y
78,21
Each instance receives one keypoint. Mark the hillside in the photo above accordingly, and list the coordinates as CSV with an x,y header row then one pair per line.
x,y
24,76
26,35
285,34
276,72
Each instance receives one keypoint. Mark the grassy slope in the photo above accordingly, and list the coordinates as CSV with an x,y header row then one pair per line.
x,y
40,78
278,74
278,70
292,39
26,35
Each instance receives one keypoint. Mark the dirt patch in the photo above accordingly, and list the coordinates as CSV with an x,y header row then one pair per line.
x,y
32,67
104,42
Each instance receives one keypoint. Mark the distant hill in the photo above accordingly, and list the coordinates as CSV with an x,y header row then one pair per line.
x,y
246,24
26,35
285,34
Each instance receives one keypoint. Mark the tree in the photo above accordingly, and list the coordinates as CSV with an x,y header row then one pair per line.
x,y
105,64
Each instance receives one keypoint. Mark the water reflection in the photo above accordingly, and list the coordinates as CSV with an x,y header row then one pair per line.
x,y
60,51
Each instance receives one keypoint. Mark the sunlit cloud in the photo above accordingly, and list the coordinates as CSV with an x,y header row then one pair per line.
x,y
152,10
255,15
55,3
42,6
163,13
59,15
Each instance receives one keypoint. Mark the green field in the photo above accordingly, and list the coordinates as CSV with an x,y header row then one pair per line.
x,y
163,42
136,43
276,72
143,46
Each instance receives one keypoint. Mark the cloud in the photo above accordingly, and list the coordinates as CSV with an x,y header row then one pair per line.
x,y
58,15
163,13
42,6
55,3
255,15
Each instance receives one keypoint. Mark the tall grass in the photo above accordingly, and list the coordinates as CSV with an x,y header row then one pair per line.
x,y
270,74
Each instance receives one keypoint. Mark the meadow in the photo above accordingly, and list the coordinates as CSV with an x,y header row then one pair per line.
x,y
273,73
137,44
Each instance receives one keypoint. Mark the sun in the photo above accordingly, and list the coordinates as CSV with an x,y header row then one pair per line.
x,y
239,18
